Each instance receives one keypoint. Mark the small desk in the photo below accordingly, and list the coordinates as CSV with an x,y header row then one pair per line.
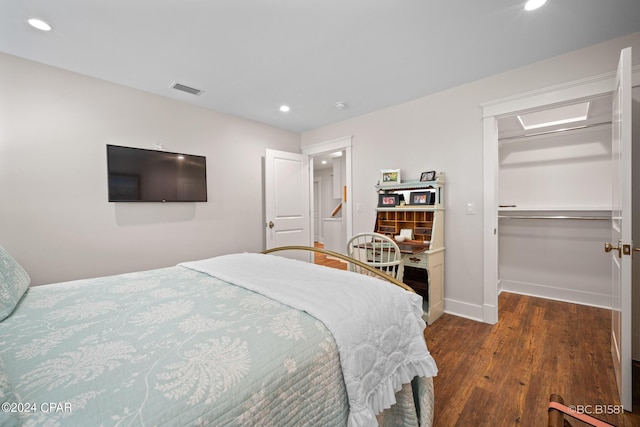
x,y
424,257
424,272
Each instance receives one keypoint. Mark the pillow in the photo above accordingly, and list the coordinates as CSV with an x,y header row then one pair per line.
x,y
14,281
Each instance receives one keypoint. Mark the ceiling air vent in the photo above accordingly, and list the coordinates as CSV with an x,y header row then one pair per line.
x,y
185,88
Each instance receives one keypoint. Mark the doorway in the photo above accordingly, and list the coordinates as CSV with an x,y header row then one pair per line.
x,y
494,114
554,202
335,220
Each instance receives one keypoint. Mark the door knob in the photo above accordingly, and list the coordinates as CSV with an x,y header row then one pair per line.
x,y
608,247
271,224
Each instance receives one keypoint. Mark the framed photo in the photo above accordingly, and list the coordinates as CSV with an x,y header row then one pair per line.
x,y
389,176
428,176
421,198
388,200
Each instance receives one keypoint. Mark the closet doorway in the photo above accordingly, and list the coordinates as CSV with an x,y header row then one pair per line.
x,y
508,169
554,202
512,148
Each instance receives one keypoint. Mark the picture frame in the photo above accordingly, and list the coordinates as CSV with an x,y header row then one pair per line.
x,y
388,200
389,177
427,176
421,198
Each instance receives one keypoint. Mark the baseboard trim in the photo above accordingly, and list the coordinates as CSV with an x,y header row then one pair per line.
x,y
463,309
558,294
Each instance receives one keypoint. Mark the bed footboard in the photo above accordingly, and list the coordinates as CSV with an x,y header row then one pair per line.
x,y
350,261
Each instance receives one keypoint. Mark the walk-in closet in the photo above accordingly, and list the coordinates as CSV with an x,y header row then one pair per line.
x,y
555,195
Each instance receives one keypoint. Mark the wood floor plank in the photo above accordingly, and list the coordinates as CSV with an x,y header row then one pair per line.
x,y
503,374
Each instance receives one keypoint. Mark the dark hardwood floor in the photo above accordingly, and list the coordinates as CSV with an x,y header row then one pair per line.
x,y
503,374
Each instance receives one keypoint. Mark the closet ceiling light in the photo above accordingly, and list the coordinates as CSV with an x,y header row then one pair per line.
x,y
39,24
555,116
534,4
285,108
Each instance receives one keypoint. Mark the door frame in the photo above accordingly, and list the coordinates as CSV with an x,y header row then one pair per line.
x,y
493,110
338,144
315,185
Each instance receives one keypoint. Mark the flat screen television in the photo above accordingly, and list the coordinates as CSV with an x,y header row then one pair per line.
x,y
140,175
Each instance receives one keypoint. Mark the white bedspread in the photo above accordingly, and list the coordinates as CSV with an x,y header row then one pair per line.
x,y
377,326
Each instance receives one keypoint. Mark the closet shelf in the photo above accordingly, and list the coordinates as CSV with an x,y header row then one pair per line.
x,y
577,217
575,213
554,209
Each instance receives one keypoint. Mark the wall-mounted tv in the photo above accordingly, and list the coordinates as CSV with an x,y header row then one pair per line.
x,y
140,175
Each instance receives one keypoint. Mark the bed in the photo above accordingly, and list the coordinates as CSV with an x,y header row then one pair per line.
x,y
236,340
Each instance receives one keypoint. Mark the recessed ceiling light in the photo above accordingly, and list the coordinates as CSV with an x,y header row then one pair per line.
x,y
555,116
39,24
534,4
341,105
285,108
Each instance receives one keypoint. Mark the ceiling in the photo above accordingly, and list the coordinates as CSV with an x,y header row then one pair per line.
x,y
252,56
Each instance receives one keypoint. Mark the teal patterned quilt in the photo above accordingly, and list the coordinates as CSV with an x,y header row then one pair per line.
x,y
173,347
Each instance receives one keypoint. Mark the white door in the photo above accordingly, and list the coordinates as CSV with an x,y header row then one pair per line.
x,y
621,245
287,212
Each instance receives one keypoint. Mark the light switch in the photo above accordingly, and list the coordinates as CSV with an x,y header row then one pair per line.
x,y
471,208
358,208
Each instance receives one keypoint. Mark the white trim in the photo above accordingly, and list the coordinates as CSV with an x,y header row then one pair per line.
x,y
583,88
316,179
490,226
570,91
558,294
463,309
327,146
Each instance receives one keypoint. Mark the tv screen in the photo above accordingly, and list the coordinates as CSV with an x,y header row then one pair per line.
x,y
139,175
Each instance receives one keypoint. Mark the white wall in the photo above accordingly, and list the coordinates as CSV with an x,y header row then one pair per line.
x,y
54,214
560,259
443,132
557,171
326,192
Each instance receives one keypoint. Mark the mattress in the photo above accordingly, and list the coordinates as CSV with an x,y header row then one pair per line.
x,y
178,347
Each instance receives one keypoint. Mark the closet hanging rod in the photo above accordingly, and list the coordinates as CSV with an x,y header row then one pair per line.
x,y
529,135
553,217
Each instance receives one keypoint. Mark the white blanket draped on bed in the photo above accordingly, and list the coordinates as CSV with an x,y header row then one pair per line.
x,y
377,326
